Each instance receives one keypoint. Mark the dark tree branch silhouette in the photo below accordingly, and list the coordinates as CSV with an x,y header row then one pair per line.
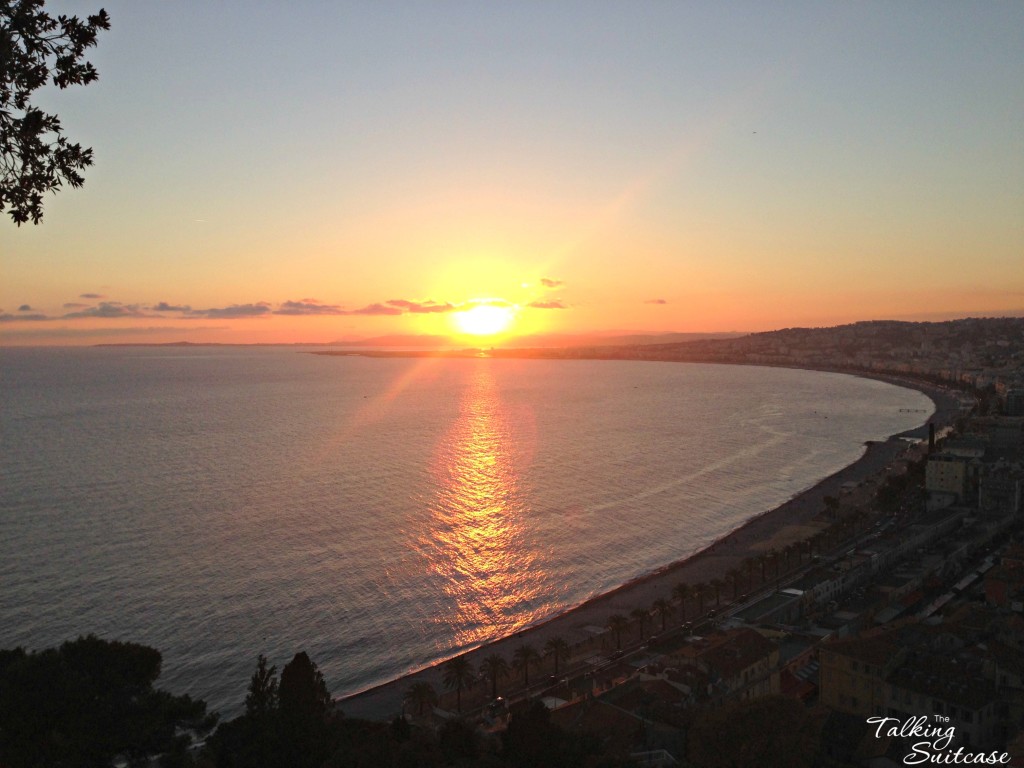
x,y
35,155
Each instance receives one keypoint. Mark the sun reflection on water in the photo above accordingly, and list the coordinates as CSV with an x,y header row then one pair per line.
x,y
476,542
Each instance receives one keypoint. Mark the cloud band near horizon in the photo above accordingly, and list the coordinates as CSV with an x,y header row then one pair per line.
x,y
114,310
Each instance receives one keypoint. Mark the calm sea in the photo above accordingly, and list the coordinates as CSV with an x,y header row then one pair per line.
x,y
218,503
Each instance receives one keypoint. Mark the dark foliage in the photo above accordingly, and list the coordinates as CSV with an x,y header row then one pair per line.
x,y
763,733
262,697
458,742
287,722
302,692
35,156
299,728
533,741
86,702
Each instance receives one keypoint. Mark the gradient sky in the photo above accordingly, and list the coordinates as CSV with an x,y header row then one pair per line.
x,y
271,173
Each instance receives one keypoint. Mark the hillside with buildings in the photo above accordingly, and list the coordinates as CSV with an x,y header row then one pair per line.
x,y
985,354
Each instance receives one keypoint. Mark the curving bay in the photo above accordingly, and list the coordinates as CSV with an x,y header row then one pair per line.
x,y
381,514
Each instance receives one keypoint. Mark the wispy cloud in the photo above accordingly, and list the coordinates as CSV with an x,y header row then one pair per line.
x,y
65,332
110,309
422,307
113,310
655,301
235,311
548,282
376,309
308,307
91,296
303,308
163,306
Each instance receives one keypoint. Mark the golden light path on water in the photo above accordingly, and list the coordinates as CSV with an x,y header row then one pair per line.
x,y
475,540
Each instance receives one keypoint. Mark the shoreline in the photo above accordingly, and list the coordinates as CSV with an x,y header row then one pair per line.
x,y
790,521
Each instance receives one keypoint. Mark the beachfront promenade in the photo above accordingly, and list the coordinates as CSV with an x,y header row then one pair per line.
x,y
795,521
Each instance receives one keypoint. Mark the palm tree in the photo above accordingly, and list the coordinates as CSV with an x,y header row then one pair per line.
x,y
681,592
521,659
733,577
494,666
831,506
809,544
663,608
787,552
860,519
558,648
640,615
420,695
617,624
749,564
698,592
717,584
457,674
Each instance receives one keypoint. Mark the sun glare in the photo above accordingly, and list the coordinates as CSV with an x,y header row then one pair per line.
x,y
483,319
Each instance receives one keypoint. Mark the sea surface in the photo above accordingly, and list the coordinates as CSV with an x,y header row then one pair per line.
x,y
380,514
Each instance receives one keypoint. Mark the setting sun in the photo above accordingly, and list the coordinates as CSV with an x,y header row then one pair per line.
x,y
483,319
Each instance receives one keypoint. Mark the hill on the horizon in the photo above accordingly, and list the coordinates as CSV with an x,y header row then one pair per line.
x,y
611,339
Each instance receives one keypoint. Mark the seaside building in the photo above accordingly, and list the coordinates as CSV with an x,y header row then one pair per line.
x,y
782,607
1013,402
948,687
1001,489
618,730
824,585
966,669
967,446
946,479
798,663
742,664
1006,434
853,671
1004,583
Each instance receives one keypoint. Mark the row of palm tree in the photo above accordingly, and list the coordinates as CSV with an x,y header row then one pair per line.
x,y
618,624
663,608
458,674
841,529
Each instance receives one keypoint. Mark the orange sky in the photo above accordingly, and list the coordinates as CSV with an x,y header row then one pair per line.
x,y
351,172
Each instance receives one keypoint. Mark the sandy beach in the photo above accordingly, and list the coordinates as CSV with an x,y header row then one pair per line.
x,y
792,521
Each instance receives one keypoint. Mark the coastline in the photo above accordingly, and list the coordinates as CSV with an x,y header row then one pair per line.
x,y
791,521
